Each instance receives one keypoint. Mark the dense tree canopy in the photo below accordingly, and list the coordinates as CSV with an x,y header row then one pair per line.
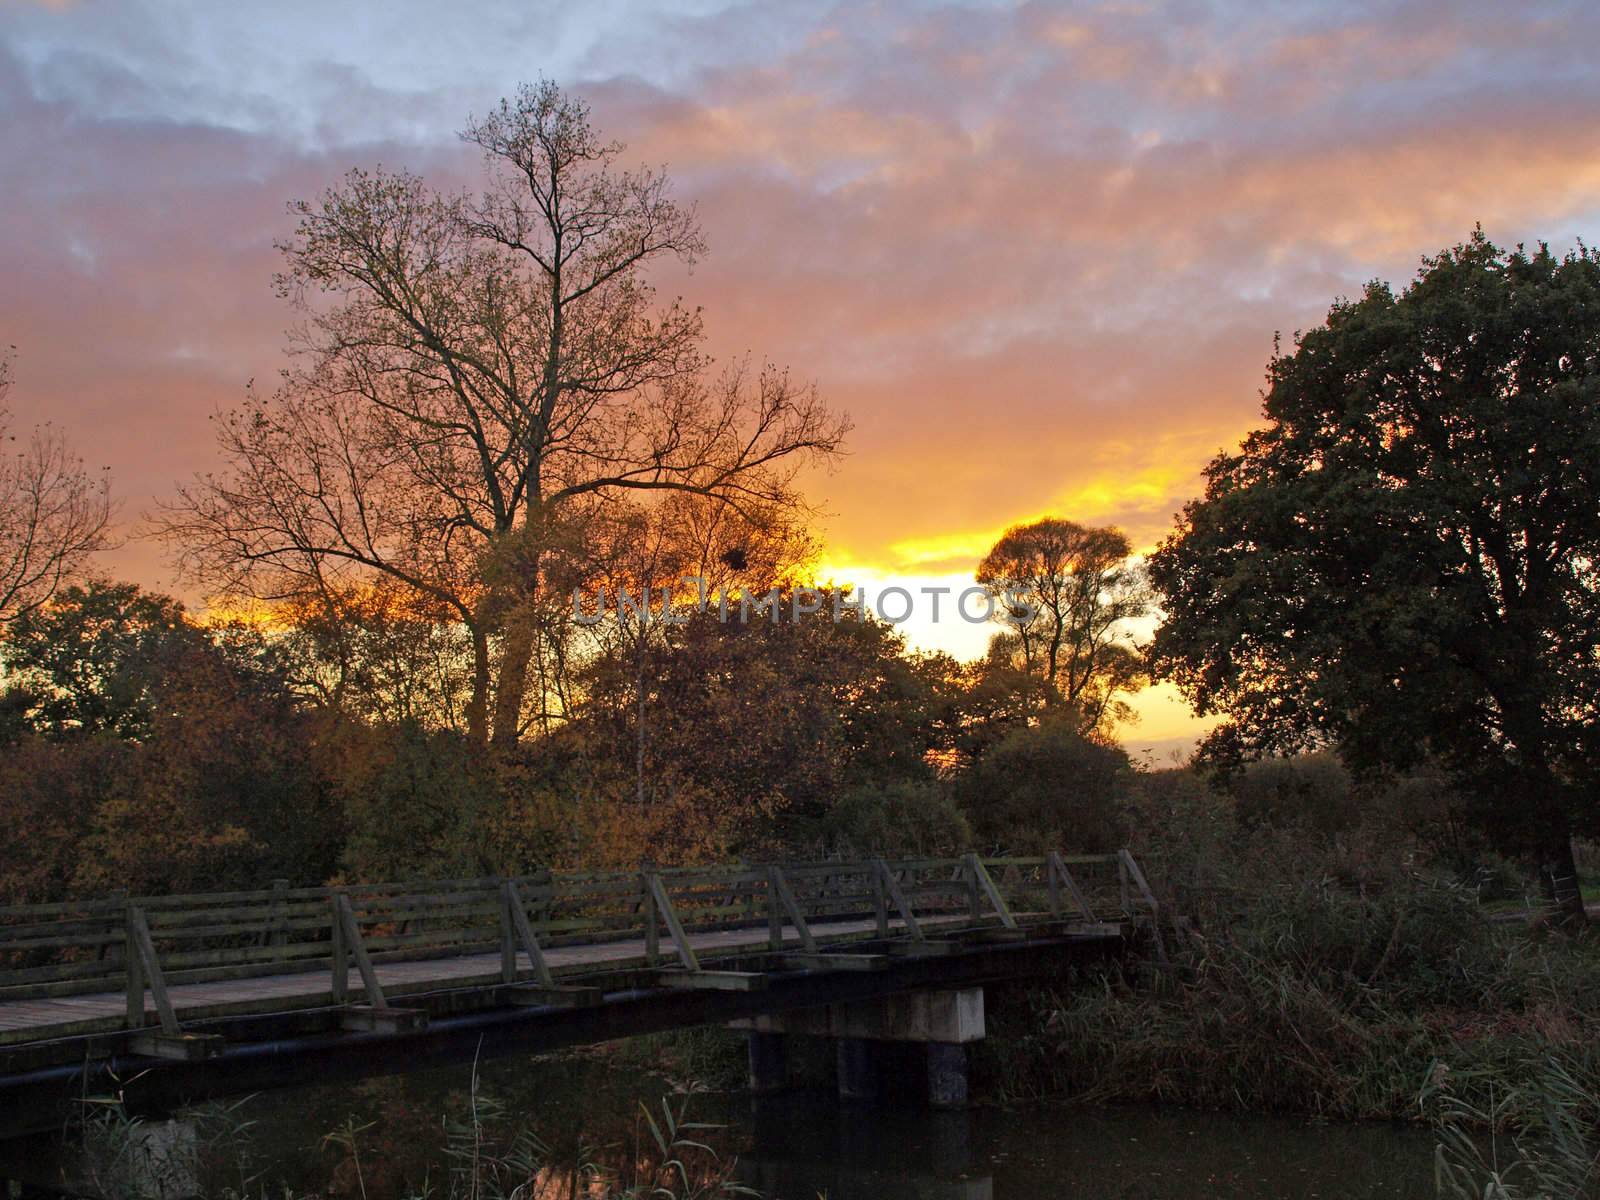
x,y
147,751
1402,561
773,718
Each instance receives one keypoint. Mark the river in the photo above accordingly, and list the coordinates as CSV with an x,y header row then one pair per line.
x,y
392,1137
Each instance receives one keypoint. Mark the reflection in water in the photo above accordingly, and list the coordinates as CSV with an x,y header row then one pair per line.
x,y
803,1146
585,1110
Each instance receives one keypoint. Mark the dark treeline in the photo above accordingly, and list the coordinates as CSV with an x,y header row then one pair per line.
x,y
145,750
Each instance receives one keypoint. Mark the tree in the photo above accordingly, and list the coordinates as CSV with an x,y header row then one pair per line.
x,y
686,549
1065,594
96,660
474,378
173,755
379,653
774,717
1402,562
53,514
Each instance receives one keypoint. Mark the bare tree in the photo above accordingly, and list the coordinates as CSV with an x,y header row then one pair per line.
x,y
1065,594
473,376
54,513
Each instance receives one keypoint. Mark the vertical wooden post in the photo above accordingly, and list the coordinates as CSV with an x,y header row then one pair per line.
x,y
664,906
791,906
890,887
974,905
508,942
341,953
522,930
133,964
546,879
143,948
1122,887
997,901
1065,880
109,950
652,935
1053,881
880,902
774,911
277,926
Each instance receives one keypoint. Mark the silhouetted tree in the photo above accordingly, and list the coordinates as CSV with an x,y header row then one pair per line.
x,y
1402,561
1045,787
1065,594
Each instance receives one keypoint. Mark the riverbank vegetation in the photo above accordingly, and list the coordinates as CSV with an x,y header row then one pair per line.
x,y
463,1138
1334,954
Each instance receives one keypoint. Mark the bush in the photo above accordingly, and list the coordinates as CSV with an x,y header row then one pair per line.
x,y
1047,787
899,820
413,800
1313,790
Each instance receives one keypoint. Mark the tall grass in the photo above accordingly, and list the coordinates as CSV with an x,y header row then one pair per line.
x,y
1528,1134
489,1153
1334,980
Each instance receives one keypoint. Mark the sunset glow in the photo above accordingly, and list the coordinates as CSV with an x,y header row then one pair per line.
x,y
1037,252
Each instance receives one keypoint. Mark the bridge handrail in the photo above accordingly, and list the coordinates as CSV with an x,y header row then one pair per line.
x,y
78,946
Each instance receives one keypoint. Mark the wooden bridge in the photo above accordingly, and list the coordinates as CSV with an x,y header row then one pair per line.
x,y
199,995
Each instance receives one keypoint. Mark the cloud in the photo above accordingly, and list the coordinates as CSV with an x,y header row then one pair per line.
x,y
1038,252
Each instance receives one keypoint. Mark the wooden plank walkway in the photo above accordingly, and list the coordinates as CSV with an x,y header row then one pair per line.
x,y
46,1018
95,969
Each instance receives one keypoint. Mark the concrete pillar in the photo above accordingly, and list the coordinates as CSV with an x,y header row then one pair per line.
x,y
947,1075
925,1031
858,1069
769,1062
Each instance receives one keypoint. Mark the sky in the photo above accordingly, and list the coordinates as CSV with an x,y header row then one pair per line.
x,y
1038,252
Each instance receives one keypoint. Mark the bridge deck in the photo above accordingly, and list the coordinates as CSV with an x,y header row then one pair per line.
x,y
255,989
43,1018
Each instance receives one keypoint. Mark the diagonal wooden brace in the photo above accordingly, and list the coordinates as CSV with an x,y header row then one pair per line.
x,y
518,930
662,904
987,887
891,885
145,968
347,943
1060,877
782,903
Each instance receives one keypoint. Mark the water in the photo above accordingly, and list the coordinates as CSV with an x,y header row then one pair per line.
x,y
585,1108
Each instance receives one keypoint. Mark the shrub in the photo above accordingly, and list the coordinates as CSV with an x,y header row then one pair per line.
x,y
1047,786
900,820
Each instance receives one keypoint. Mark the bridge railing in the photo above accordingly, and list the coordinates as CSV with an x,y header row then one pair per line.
x,y
117,943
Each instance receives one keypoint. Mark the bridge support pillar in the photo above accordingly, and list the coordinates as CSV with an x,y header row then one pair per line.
x,y
769,1062
857,1069
938,1024
947,1075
